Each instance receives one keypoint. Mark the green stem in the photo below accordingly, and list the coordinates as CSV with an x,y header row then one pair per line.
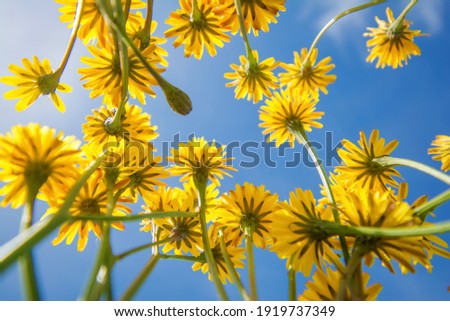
x,y
23,242
423,210
234,276
200,259
196,13
73,36
395,161
123,255
398,23
348,278
210,260
292,285
145,34
140,278
133,218
335,19
248,48
26,262
126,10
302,138
251,268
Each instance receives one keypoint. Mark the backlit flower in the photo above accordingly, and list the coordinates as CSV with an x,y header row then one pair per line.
x,y
33,80
307,76
392,43
36,158
286,112
253,79
441,150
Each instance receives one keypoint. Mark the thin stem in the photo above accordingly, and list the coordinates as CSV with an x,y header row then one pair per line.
x,y
140,278
395,161
123,255
234,276
23,242
251,268
244,34
26,262
335,19
398,23
126,10
73,36
348,276
210,260
200,259
292,285
145,34
133,218
302,138
196,12
423,210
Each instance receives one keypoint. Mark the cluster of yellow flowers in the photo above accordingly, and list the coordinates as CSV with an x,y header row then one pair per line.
x,y
331,236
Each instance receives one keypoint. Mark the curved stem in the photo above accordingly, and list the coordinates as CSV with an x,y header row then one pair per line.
x,y
395,161
145,34
398,23
133,218
349,278
423,210
244,34
251,268
234,276
292,286
335,19
73,36
123,255
301,137
200,258
23,242
131,291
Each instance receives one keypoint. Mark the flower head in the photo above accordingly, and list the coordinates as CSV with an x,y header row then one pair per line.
x,y
235,253
248,211
392,42
91,200
93,26
35,158
441,150
257,14
252,78
299,238
305,75
34,79
287,111
359,166
325,287
196,25
200,160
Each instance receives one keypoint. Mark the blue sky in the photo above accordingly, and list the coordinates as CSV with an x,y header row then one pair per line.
x,y
408,104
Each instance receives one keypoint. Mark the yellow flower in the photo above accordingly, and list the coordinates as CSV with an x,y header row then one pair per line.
x,y
392,42
325,286
287,111
92,26
299,238
196,25
135,127
34,80
235,253
182,233
358,165
211,196
104,75
364,207
257,14
248,211
252,79
91,200
306,76
200,160
35,158
441,150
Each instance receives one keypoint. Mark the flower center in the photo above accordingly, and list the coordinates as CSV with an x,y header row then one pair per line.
x,y
89,206
36,174
249,223
47,84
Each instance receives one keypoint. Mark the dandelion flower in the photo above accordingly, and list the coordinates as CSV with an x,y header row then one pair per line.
x,y
235,253
200,160
257,15
34,79
392,43
35,158
325,287
299,238
441,150
360,168
252,79
307,76
196,25
287,111
91,200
